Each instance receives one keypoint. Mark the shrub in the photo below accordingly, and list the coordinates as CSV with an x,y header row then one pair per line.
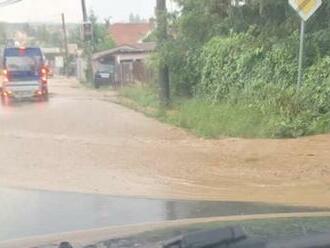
x,y
227,62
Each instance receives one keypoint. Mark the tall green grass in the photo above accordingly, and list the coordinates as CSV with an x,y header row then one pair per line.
x,y
218,120
274,115
142,95
201,117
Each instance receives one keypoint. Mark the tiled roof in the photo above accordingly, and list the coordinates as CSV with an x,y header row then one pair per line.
x,y
129,33
145,47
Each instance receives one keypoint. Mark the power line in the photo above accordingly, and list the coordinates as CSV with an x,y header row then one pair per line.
x,y
6,3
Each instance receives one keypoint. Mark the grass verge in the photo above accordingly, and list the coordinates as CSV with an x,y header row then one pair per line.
x,y
224,119
198,116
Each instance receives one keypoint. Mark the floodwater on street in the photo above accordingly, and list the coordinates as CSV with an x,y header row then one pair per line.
x,y
80,141
25,213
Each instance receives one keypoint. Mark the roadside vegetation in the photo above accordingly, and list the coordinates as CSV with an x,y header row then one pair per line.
x,y
233,70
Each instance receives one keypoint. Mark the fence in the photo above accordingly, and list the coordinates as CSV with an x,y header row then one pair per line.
x,y
129,72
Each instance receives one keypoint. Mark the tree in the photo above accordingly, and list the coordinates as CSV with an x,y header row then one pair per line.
x,y
131,17
75,36
101,37
135,18
45,35
3,34
107,22
271,22
28,29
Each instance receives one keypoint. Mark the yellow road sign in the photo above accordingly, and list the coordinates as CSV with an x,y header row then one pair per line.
x,y
305,8
306,5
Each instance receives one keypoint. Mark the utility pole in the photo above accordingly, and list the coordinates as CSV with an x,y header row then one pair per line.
x,y
66,49
88,36
301,54
84,10
163,71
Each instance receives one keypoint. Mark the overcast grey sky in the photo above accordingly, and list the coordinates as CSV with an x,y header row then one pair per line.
x,y
49,10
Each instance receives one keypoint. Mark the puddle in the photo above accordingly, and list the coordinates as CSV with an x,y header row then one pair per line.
x,y
25,213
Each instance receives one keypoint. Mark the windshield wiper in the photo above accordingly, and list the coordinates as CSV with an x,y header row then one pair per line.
x,y
236,237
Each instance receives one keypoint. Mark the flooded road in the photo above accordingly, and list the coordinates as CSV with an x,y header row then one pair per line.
x,y
80,141
25,213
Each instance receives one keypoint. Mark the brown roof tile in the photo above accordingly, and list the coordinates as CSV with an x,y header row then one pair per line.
x,y
129,33
145,47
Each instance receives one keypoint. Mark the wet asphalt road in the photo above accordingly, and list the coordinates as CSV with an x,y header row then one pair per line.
x,y
80,141
26,213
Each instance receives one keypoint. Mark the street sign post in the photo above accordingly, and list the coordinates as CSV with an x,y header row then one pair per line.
x,y
305,9
87,31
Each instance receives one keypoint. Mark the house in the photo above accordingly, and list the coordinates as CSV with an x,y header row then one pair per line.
x,y
130,33
126,62
55,56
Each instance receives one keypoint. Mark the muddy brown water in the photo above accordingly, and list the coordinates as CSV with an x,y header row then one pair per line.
x,y
25,213
118,151
79,142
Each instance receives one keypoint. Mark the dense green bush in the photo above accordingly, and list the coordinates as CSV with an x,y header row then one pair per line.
x,y
181,61
240,61
240,64
239,71
226,64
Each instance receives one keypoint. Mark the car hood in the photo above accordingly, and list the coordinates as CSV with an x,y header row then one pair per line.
x,y
160,231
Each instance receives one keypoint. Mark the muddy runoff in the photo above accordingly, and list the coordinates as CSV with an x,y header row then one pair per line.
x,y
80,141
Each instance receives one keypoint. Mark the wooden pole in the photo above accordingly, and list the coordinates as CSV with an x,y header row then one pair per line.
x,y
66,48
163,71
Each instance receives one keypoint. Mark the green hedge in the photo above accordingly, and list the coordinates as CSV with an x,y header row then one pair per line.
x,y
241,71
